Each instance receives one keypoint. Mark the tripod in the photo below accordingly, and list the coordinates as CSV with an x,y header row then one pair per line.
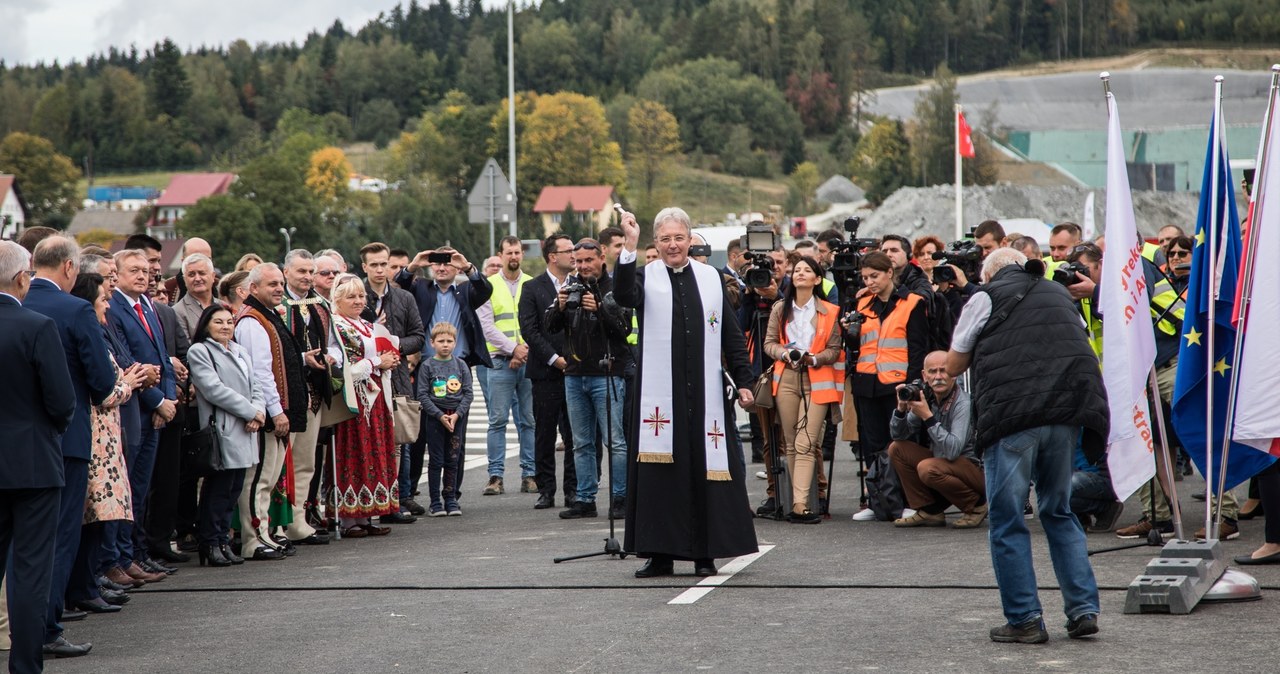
x,y
777,463
611,545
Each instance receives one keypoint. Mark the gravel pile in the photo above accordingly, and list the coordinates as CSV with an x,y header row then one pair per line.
x,y
916,211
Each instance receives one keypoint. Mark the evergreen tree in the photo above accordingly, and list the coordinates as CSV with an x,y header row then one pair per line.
x,y
170,87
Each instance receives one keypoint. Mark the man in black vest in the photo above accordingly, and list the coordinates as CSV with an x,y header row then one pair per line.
x,y
1028,428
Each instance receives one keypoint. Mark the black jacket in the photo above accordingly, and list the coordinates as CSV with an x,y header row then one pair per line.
x,y
1033,365
472,293
597,334
536,298
399,312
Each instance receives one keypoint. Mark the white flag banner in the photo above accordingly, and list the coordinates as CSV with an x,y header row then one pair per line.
x,y
1256,422
1128,338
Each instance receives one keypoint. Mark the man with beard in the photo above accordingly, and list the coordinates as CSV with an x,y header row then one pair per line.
x,y
278,367
686,495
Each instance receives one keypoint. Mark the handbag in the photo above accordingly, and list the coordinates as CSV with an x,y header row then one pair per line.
x,y
762,391
202,450
407,418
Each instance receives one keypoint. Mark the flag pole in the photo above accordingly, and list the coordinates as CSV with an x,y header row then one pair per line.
x,y
1246,279
1211,333
959,179
1164,460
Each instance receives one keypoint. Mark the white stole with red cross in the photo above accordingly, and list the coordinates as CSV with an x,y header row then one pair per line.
x,y
657,399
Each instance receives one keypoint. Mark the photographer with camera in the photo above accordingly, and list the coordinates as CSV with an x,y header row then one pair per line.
x,y
933,451
596,330
808,377
891,334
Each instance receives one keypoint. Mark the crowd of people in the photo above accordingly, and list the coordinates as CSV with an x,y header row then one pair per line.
x,y
326,394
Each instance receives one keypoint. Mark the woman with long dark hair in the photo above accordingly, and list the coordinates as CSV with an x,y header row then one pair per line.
x,y
893,339
803,339
229,397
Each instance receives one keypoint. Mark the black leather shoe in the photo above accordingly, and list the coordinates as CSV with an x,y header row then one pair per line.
x,y
167,555
398,518
545,501
655,567
156,567
113,597
264,553
767,507
108,584
61,648
97,606
313,539
70,615
704,567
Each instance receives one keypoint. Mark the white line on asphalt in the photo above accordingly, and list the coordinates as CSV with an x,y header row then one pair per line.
x,y
704,588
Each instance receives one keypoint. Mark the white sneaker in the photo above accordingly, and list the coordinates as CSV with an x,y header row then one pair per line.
x,y
761,475
864,515
908,512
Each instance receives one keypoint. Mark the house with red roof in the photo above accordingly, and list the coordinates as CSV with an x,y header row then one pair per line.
x,y
13,210
592,203
184,190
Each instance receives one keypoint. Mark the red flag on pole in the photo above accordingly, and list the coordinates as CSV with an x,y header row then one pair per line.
x,y
965,140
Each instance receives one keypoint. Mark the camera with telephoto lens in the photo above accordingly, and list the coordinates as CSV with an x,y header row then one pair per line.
x,y
911,391
573,303
758,242
965,255
1066,274
760,273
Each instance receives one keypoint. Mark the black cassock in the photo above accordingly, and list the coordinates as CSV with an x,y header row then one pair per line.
x,y
672,508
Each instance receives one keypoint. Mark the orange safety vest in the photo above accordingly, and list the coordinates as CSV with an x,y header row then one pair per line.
x,y
883,346
826,383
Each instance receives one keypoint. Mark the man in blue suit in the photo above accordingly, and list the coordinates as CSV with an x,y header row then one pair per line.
x,y
133,319
36,405
57,262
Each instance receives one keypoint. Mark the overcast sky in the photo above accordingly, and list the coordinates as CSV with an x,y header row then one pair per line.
x,y
44,30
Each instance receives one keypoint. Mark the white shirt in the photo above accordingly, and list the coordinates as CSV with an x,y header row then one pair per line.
x,y
558,285
257,344
800,328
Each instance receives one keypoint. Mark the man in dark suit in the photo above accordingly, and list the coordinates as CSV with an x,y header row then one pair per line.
x,y
546,370
134,319
36,406
442,301
57,262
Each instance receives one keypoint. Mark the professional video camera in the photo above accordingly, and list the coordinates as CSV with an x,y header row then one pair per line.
x,y
847,265
759,241
965,254
1066,273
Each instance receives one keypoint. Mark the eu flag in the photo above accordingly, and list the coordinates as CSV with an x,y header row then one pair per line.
x,y
1191,388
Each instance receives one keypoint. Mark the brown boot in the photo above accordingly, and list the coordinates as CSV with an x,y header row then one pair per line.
x,y
138,572
119,577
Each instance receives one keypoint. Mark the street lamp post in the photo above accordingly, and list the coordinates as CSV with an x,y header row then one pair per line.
x,y
288,238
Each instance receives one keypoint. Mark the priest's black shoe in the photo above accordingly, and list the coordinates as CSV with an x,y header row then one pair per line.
x,y
704,567
767,507
656,567
168,555
545,501
97,606
61,648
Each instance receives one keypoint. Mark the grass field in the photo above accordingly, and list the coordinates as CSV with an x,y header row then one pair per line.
x,y
709,197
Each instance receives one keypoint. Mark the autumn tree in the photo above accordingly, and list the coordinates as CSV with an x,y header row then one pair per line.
x,y
653,140
47,179
328,174
802,186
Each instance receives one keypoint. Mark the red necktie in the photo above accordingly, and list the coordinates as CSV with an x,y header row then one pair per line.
x,y
138,307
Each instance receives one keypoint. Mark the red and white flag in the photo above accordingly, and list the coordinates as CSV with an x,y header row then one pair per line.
x,y
1128,337
1256,422
964,137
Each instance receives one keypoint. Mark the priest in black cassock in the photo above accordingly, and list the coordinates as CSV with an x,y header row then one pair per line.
x,y
686,492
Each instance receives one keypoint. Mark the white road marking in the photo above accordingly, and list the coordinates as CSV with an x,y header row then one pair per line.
x,y
705,587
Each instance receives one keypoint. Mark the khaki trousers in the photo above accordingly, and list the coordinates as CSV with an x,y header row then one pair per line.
x,y
255,498
925,478
304,468
4,617
803,423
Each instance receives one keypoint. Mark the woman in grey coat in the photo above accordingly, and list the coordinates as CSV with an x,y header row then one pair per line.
x,y
225,390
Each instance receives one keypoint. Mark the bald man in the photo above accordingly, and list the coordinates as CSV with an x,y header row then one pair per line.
x,y
176,286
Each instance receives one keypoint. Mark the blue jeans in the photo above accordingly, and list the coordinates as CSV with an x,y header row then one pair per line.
x,y
406,475
588,414
1090,493
1042,454
509,394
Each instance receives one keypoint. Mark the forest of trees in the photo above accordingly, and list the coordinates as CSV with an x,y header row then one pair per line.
x,y
745,82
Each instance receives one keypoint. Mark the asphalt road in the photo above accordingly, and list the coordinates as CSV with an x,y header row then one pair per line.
x,y
480,594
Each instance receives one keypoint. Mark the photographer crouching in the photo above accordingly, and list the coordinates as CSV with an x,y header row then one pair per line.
x,y
946,471
596,330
